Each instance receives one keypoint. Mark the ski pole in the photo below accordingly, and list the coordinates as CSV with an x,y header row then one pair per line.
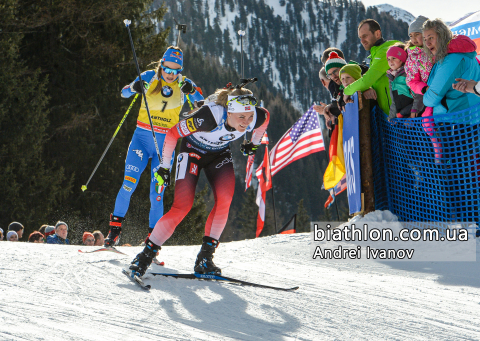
x,y
241,34
127,24
84,187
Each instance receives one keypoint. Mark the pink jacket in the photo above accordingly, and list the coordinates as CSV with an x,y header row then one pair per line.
x,y
418,65
417,69
461,44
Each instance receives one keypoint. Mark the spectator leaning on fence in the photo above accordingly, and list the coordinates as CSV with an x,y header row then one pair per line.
x,y
455,57
370,35
403,103
60,236
349,74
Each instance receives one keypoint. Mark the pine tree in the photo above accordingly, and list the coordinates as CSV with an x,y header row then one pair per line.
x,y
303,219
31,187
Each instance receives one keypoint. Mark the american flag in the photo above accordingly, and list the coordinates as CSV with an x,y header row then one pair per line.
x,y
302,139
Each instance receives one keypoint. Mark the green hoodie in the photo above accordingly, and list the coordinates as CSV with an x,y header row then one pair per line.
x,y
376,76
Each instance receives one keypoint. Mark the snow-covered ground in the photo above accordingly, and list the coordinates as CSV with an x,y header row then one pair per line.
x,y
53,292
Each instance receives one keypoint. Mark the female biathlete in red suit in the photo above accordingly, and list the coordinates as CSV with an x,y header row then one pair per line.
x,y
205,145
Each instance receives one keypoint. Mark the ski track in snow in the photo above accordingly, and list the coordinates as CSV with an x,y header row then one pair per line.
x,y
52,292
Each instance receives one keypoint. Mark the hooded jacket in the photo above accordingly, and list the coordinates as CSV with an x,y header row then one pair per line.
x,y
461,62
376,76
417,69
403,101
55,239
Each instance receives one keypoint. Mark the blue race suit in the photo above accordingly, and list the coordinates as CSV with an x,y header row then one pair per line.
x,y
165,107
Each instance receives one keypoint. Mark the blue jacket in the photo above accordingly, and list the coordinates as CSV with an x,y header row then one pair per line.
x,y
440,94
54,239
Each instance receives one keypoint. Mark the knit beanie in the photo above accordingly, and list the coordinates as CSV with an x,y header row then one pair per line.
x,y
416,25
352,69
49,230
60,223
334,60
397,52
86,235
15,226
11,233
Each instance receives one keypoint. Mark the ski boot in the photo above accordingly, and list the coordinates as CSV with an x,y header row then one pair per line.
x,y
113,237
155,260
204,263
143,260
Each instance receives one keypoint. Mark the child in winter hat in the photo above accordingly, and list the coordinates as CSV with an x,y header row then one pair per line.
x,y
403,103
349,74
12,236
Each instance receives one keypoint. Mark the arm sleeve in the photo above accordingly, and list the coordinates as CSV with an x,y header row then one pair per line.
x,y
442,81
416,84
263,118
369,78
393,107
334,110
196,96
201,120
147,76
417,103
405,112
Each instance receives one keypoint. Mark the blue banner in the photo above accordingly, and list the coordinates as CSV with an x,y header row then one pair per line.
x,y
351,153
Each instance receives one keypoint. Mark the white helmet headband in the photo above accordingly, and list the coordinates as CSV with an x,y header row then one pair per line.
x,y
241,103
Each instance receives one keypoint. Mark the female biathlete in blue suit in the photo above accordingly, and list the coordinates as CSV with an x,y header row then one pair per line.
x,y
167,93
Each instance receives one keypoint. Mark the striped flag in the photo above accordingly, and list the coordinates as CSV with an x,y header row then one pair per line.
x,y
249,171
265,139
302,139
264,184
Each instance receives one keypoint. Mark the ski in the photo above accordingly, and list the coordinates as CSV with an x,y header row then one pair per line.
x,y
111,249
221,279
137,280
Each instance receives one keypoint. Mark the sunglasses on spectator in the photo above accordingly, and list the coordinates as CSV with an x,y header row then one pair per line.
x,y
90,240
244,100
171,71
330,75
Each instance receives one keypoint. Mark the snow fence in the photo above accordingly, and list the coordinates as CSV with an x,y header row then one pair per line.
x,y
428,169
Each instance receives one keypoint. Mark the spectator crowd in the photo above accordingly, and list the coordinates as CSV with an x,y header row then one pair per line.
x,y
49,234
435,72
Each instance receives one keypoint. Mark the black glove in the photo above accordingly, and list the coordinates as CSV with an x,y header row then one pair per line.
x,y
162,176
248,148
187,88
136,86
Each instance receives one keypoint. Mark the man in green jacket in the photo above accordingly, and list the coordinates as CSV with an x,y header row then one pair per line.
x,y
370,35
